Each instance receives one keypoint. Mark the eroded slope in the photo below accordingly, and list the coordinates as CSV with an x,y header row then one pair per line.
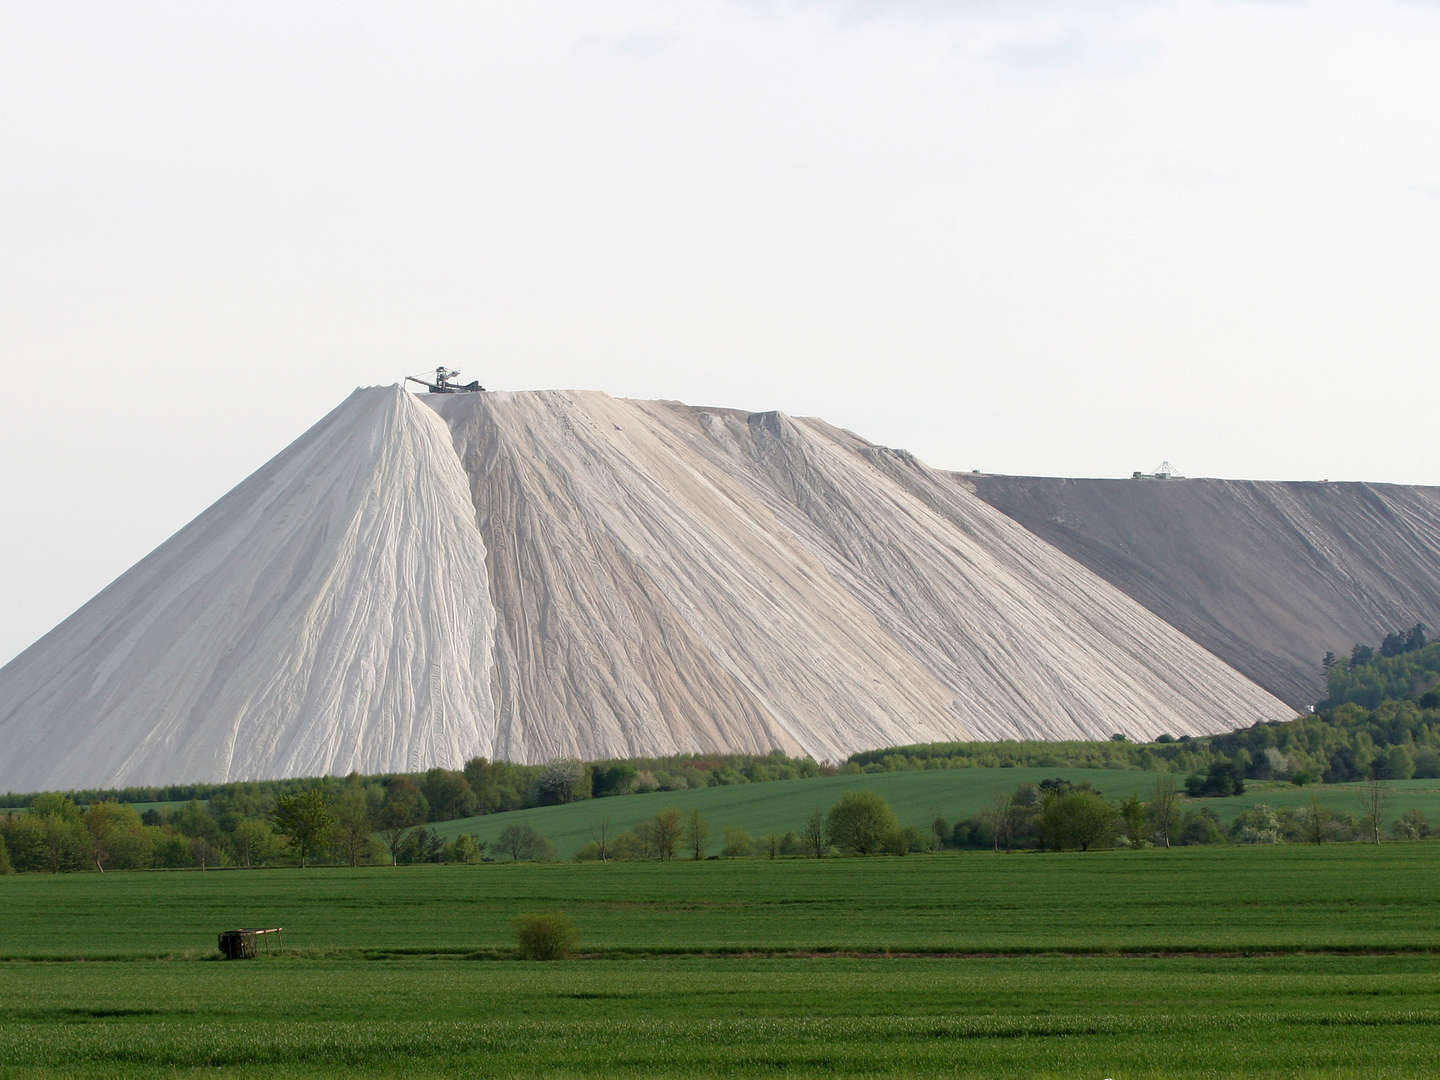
x,y
1268,576
330,613
672,578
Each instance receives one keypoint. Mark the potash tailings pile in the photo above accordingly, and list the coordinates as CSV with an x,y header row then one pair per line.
x,y
421,579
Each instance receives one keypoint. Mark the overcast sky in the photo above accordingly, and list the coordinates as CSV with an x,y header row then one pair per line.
x,y
1072,238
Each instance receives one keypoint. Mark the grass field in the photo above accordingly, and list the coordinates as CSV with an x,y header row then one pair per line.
x,y
916,797
1287,961
1342,897
1132,1017
781,806
1402,795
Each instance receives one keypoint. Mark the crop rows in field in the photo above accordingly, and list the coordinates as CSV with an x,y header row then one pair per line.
x,y
1338,897
1197,962
1101,1016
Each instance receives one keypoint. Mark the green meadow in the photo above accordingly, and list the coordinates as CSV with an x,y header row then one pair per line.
x,y
1278,961
781,806
1087,1016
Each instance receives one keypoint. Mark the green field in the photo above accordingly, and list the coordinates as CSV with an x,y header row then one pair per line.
x,y
1133,1017
1402,795
1341,897
783,805
1286,961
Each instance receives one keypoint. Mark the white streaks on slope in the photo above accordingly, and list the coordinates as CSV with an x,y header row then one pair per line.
x,y
291,629
686,579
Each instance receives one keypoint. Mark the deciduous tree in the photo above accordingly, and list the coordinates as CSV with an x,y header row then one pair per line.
x,y
1257,825
861,822
253,842
563,781
738,843
464,849
1165,809
203,853
600,837
813,834
117,838
1410,825
939,831
697,832
668,828
353,825
54,805
304,818
403,809
1137,828
479,774
1373,797
1317,817
448,794
523,843
1078,819
63,842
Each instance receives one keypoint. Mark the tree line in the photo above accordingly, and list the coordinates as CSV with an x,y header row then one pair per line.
x,y
1403,665
1380,718
1058,815
351,824
482,786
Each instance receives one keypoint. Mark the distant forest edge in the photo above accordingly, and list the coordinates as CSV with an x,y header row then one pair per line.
x,y
1380,719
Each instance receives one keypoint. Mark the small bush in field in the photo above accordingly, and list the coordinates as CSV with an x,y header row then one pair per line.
x,y
544,937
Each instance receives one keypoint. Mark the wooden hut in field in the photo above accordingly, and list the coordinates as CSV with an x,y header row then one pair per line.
x,y
243,944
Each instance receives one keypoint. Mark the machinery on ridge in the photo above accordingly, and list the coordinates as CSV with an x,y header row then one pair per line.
x,y
443,384
1163,471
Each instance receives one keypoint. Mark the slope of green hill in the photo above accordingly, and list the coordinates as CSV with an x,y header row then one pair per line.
x,y
1401,795
916,797
781,806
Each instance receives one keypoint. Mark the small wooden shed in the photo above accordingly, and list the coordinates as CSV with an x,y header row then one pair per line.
x,y
243,944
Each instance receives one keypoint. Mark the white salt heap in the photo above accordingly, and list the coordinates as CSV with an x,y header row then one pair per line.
x,y
330,613
564,573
